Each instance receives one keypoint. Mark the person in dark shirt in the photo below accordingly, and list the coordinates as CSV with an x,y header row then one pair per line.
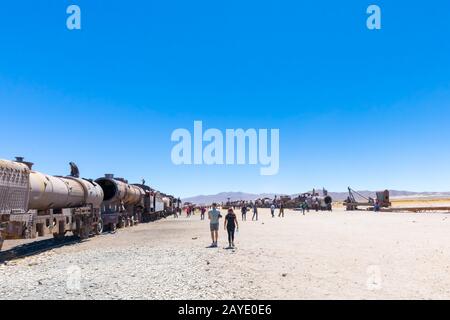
x,y
304,206
231,224
281,210
244,212
255,212
202,213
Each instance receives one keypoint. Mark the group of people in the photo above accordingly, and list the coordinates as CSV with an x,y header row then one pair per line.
x,y
245,209
231,225
281,212
190,210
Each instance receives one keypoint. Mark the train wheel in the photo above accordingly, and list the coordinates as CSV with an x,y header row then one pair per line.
x,y
85,232
112,227
132,221
58,236
99,227
123,222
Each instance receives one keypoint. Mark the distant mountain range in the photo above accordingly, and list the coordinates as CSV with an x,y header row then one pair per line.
x,y
337,196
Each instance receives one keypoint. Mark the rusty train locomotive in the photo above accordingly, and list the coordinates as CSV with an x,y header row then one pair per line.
x,y
36,204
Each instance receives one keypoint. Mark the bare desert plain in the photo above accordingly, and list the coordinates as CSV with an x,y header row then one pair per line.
x,y
324,255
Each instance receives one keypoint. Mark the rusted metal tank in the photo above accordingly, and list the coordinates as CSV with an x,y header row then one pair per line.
x,y
50,192
118,190
122,203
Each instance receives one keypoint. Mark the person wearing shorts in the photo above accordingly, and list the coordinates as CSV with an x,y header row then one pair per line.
x,y
214,216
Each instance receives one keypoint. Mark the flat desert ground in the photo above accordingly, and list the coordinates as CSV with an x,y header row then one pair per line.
x,y
337,255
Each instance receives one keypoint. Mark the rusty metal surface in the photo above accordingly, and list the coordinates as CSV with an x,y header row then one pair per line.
x,y
93,192
50,192
14,187
118,191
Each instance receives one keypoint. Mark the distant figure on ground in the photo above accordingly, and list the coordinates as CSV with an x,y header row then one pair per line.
x,y
281,214
272,210
255,212
202,213
214,216
376,207
244,212
231,224
175,213
304,206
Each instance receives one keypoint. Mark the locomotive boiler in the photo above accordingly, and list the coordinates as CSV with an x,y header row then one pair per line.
x,y
33,203
123,203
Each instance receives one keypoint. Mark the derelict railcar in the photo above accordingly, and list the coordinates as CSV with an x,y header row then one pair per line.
x,y
172,204
36,204
123,203
153,207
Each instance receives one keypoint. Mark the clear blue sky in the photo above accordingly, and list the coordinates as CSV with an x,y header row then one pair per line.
x,y
369,109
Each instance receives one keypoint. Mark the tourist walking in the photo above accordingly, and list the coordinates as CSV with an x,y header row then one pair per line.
x,y
202,213
255,212
272,210
231,224
214,216
304,206
244,212
281,214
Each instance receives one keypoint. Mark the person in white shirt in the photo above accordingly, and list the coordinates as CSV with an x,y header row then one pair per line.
x,y
214,216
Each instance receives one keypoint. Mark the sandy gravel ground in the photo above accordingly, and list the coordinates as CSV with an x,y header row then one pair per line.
x,y
335,255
